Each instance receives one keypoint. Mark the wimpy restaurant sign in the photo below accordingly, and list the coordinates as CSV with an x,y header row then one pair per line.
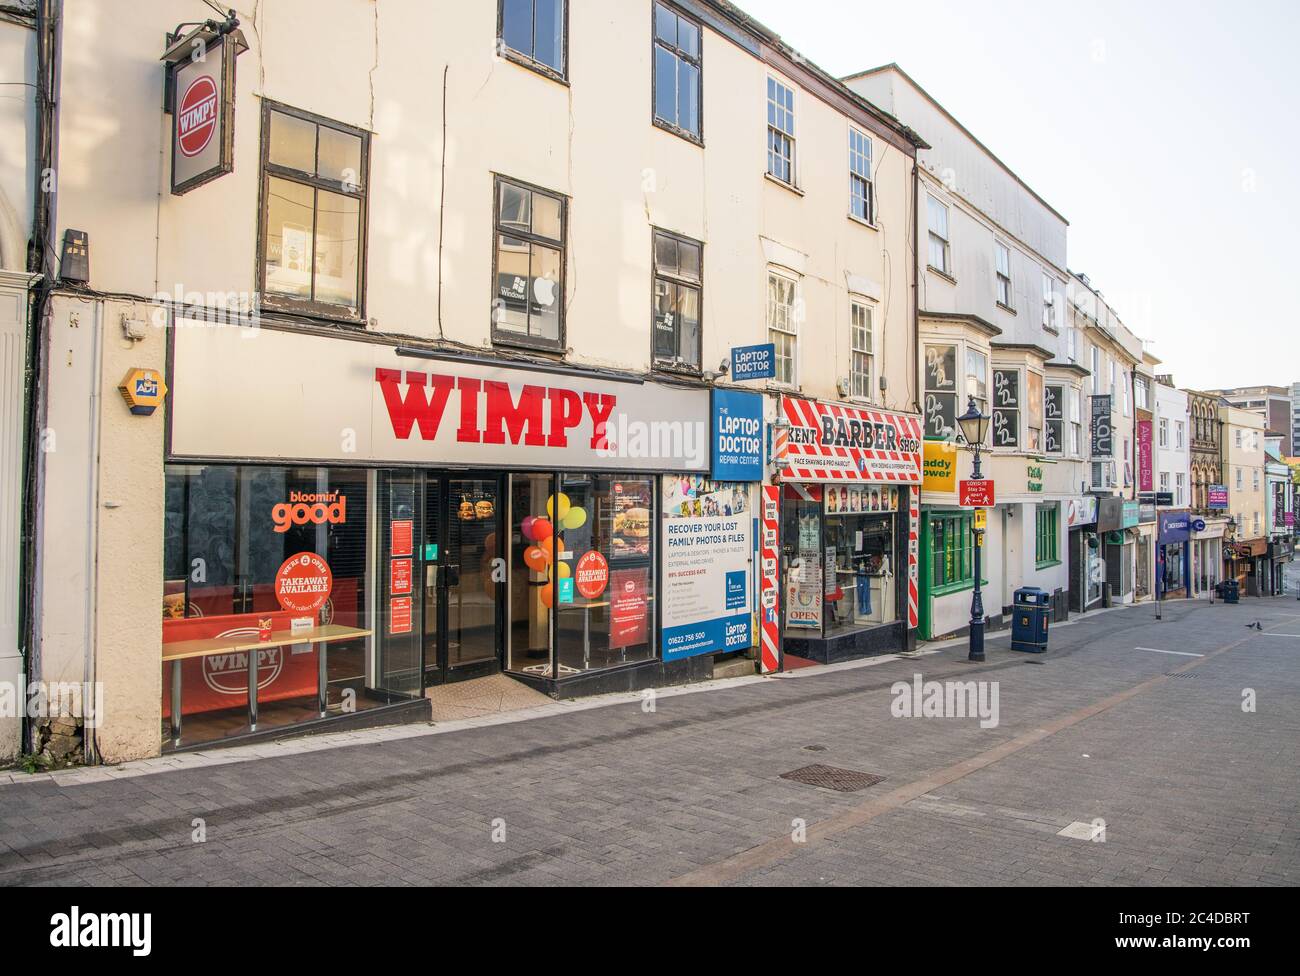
x,y
240,393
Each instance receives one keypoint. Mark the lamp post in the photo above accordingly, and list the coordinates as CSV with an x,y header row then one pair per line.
x,y
974,428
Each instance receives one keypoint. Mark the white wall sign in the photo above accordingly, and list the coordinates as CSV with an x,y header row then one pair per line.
x,y
270,393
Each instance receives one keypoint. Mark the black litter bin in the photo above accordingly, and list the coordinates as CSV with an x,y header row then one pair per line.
x,y
1030,611
1230,590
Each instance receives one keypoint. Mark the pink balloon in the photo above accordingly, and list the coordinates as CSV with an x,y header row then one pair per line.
x,y
526,527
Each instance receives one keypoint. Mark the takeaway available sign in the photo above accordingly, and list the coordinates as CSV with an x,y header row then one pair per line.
x,y
312,398
836,442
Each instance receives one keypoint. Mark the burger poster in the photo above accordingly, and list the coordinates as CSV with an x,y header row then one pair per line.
x,y
631,528
708,550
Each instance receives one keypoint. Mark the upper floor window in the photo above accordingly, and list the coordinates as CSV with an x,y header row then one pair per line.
x,y
1140,392
1178,434
678,280
1076,423
1033,411
977,378
528,307
1002,263
1164,432
780,131
1049,308
938,214
862,202
313,213
783,326
862,368
1006,408
1054,414
536,31
677,72
940,391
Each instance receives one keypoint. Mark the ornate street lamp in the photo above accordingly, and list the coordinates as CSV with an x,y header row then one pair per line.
x,y
974,428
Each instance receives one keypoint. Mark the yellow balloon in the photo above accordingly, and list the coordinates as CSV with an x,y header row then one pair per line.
x,y
575,518
564,570
564,506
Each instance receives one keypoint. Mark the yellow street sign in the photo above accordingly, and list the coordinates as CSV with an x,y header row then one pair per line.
x,y
981,518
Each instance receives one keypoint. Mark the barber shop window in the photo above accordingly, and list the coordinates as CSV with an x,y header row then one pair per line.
x,y
534,33
678,279
528,304
314,184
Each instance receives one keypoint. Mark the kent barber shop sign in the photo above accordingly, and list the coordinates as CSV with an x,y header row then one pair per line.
x,y
832,441
274,394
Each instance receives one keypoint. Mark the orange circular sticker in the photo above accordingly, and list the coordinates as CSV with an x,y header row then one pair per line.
x,y
303,583
592,575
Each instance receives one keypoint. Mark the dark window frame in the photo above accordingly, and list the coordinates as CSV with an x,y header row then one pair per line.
x,y
655,275
527,61
505,338
286,303
698,62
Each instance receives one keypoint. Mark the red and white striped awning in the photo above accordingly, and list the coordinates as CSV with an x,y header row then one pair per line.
x,y
837,442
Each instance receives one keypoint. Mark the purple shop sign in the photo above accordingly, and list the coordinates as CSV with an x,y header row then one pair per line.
x,y
1217,496
1288,519
1144,455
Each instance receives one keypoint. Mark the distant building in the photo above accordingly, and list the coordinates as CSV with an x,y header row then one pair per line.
x,y
1276,404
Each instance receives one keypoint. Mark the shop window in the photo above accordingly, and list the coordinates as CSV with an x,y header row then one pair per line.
x,y
253,555
1006,408
677,96
783,326
313,213
862,367
535,32
801,547
1047,536
940,392
678,277
1054,414
859,557
528,306
952,564
605,545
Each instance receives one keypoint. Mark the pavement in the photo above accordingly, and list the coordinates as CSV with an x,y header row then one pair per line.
x,y
1134,752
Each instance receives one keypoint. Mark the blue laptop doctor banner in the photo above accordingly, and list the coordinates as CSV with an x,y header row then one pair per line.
x,y
738,436
753,362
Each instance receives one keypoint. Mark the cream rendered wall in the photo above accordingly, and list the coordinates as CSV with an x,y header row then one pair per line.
x,y
500,118
1246,503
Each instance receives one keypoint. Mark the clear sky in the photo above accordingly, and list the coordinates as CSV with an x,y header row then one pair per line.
x,y
1167,133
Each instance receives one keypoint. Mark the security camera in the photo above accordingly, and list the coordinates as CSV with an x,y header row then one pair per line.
x,y
724,367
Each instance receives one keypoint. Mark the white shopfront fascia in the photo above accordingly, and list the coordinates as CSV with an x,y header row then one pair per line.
x,y
256,394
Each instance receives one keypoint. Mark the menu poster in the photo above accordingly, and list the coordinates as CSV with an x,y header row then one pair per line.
x,y
631,529
401,534
628,617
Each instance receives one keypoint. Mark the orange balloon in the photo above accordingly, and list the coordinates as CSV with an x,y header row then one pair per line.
x,y
545,593
536,558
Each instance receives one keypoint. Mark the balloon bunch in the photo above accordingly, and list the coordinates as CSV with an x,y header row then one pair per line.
x,y
539,530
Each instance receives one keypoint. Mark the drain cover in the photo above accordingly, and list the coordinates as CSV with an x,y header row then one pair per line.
x,y
833,778
815,748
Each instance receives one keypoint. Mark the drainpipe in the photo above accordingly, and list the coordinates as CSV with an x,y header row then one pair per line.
x,y
40,261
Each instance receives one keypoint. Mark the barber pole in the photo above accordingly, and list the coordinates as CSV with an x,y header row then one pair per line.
x,y
913,552
770,588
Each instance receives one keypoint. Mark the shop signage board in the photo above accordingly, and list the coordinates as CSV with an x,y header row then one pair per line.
x,y
1198,525
737,436
1034,478
976,494
1217,496
1174,527
266,393
769,655
753,362
1131,514
303,583
1145,465
201,83
1102,435
939,467
1081,511
708,547
833,442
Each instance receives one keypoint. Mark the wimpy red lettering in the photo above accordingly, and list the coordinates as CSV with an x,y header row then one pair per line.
x,y
523,419
416,407
468,432
600,406
566,412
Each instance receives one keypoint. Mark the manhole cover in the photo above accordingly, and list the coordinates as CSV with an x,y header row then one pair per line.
x,y
814,748
833,778
1183,674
